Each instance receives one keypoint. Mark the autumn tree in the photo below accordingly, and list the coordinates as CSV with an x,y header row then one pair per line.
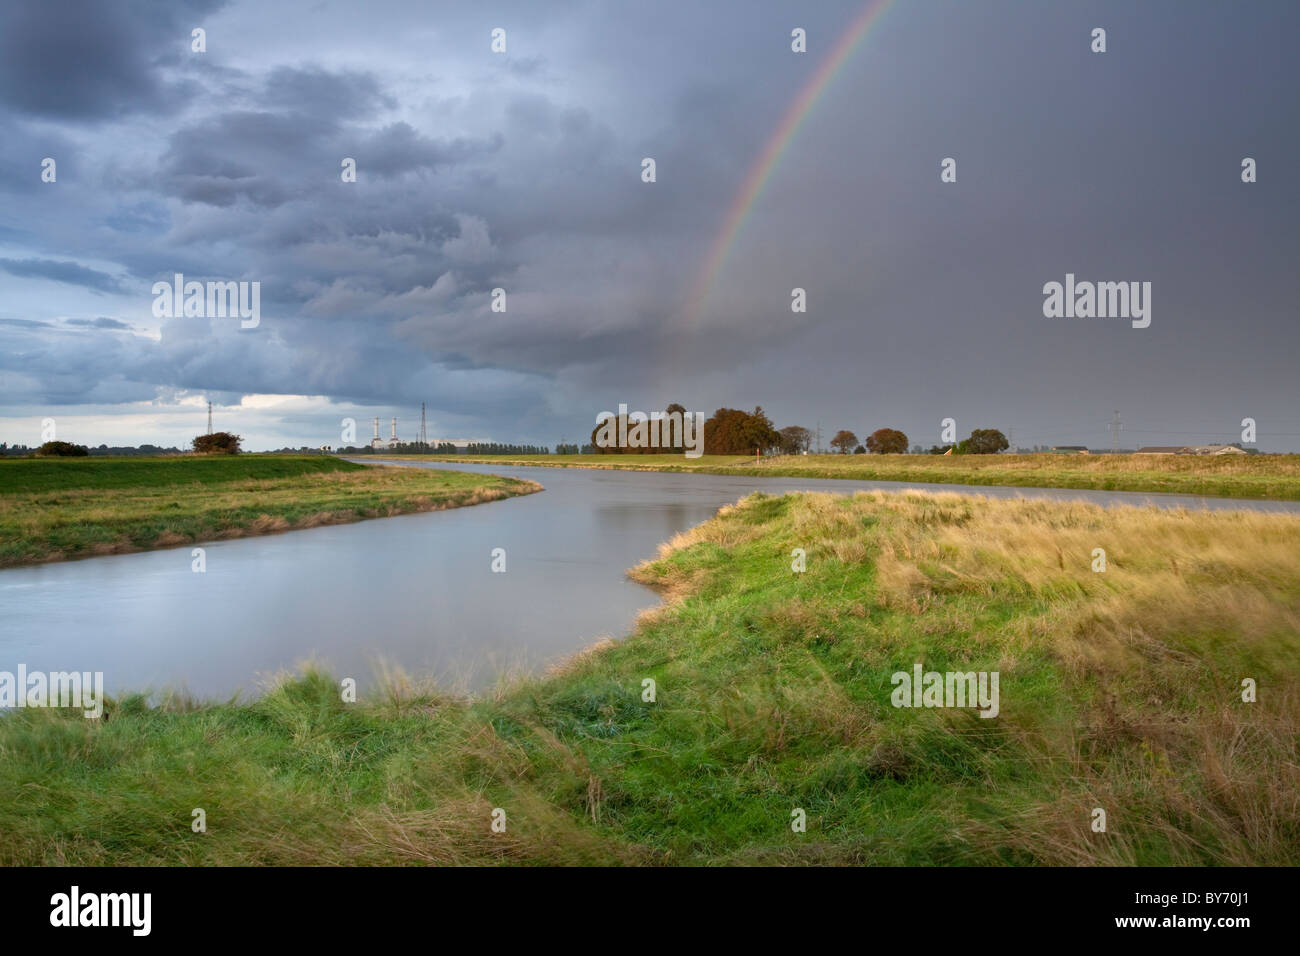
x,y
887,441
844,440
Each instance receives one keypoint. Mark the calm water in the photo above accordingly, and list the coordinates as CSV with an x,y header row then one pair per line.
x,y
415,591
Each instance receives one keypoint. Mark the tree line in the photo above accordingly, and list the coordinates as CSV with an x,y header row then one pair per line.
x,y
731,431
891,441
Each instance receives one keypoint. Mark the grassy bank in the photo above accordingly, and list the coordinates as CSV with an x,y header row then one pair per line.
x,y
1119,690
53,509
1221,476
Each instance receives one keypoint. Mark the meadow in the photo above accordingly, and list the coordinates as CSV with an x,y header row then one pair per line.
x,y
1221,476
1120,690
57,508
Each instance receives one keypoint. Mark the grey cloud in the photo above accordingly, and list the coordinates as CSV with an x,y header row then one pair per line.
x,y
56,271
399,148
271,159
103,322
91,60
316,91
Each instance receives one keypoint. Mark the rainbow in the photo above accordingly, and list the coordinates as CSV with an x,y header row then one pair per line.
x,y
770,157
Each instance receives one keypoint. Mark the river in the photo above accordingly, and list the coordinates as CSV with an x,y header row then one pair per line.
x,y
416,591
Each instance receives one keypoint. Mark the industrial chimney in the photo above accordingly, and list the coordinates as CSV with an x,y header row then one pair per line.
x,y
376,428
394,429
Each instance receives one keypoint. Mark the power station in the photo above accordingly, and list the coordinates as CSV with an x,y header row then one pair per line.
x,y
392,441
385,443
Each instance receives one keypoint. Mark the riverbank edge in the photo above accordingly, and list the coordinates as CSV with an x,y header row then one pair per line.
x,y
1196,486
271,524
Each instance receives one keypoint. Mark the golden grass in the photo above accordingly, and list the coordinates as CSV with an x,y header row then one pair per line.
x,y
1154,647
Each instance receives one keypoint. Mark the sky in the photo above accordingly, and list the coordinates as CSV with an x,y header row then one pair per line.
x,y
522,171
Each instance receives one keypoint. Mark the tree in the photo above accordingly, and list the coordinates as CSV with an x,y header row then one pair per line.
x,y
859,450
795,439
844,440
733,432
61,449
666,436
672,436
983,441
758,432
218,443
887,441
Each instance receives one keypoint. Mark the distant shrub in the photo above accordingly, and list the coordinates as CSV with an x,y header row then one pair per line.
x,y
218,443
844,441
887,441
983,441
61,449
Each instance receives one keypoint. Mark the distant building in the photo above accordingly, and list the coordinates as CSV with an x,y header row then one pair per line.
x,y
1191,450
384,444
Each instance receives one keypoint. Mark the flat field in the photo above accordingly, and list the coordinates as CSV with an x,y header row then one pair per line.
x,y
57,508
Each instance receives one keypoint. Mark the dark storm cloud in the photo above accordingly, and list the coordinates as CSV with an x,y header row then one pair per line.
x,y
251,155
55,271
522,172
89,60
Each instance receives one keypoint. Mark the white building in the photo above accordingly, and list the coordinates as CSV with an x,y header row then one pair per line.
x,y
384,444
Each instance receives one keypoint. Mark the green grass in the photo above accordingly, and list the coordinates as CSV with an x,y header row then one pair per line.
x,y
57,474
1118,690
52,509
1223,476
